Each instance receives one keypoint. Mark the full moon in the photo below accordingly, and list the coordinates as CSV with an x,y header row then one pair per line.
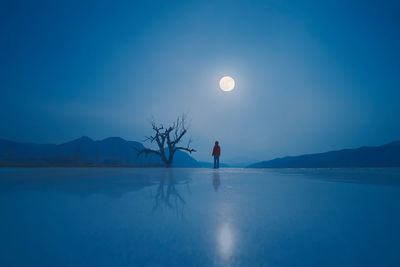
x,y
227,83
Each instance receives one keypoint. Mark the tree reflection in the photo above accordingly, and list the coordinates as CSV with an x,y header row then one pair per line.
x,y
167,196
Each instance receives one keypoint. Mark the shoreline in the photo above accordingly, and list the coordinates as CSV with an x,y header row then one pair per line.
x,y
158,166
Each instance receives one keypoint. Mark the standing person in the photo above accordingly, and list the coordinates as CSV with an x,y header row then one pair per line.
x,y
216,153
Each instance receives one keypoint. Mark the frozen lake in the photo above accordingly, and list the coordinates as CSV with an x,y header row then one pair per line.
x,y
199,217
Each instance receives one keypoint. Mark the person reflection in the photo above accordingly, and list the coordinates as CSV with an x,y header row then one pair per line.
x,y
216,181
167,196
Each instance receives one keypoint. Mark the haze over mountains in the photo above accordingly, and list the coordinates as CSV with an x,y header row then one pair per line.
x,y
387,155
115,151
84,151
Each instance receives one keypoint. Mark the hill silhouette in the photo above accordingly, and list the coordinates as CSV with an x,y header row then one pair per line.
x,y
84,151
387,155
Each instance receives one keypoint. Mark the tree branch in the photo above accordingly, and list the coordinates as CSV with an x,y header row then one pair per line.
x,y
180,129
190,150
147,151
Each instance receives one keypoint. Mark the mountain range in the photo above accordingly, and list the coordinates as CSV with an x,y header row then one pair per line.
x,y
84,151
115,151
387,155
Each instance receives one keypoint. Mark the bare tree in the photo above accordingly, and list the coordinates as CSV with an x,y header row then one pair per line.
x,y
169,138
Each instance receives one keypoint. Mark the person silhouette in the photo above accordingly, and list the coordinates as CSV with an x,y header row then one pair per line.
x,y
216,153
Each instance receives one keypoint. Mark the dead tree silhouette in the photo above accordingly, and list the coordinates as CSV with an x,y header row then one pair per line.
x,y
168,138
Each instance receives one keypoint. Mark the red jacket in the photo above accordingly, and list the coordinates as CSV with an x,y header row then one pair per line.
x,y
216,150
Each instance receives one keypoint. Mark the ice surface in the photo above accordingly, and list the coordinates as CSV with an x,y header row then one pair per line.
x,y
199,217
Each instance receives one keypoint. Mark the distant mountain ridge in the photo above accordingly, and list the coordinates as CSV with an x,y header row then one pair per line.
x,y
84,151
387,155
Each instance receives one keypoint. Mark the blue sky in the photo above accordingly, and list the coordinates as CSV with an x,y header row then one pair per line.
x,y
311,75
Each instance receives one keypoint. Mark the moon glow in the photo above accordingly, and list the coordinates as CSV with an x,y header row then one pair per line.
x,y
227,83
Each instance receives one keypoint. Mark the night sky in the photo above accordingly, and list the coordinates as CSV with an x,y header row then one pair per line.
x,y
310,76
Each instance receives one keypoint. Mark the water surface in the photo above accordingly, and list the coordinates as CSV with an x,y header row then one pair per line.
x,y
199,217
